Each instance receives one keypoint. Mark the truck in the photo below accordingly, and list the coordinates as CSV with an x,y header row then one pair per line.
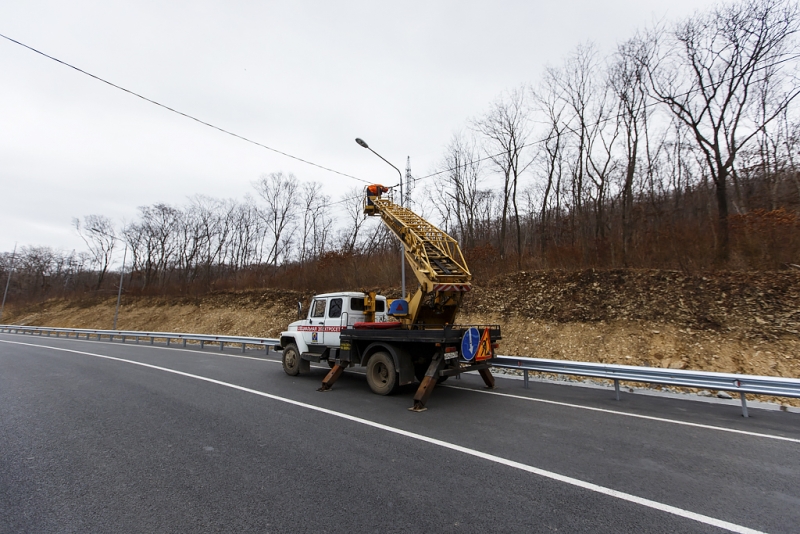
x,y
399,341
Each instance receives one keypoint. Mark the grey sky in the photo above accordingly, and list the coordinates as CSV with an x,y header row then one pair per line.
x,y
302,77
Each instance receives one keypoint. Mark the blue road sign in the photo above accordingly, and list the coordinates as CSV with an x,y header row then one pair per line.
x,y
470,343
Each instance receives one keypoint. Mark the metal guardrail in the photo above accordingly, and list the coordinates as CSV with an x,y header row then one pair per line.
x,y
137,335
741,384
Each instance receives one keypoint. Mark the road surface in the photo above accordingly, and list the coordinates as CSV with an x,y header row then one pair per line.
x,y
108,437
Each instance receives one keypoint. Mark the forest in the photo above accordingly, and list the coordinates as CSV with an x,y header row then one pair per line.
x,y
676,151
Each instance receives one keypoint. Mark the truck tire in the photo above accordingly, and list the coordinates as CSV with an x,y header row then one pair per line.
x,y
381,374
291,360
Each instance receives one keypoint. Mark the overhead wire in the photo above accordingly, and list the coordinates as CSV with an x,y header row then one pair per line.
x,y
308,162
186,115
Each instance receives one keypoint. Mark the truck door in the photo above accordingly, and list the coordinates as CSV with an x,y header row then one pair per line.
x,y
314,331
333,321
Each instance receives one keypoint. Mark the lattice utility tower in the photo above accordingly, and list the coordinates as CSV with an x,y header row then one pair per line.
x,y
409,181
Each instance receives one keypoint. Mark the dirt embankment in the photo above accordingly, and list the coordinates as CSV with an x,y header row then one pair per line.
x,y
730,321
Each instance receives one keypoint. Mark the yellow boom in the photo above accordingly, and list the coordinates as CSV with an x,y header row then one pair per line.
x,y
434,256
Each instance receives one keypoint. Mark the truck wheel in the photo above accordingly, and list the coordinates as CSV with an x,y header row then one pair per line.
x,y
291,360
381,374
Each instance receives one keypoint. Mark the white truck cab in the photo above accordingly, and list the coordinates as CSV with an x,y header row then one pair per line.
x,y
327,316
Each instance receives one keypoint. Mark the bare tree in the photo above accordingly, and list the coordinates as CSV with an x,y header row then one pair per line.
x,y
97,231
707,71
550,158
316,222
459,192
279,193
604,127
506,127
628,81
352,202
577,85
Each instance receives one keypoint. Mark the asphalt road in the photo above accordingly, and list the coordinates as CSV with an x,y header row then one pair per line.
x,y
93,441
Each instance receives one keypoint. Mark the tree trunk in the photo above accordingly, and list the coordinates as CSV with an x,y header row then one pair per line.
x,y
723,243
627,206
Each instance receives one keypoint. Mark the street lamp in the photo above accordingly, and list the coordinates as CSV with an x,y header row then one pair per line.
x,y
119,291
364,144
121,272
8,280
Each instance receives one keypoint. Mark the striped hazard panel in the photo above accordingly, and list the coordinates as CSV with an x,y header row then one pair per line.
x,y
452,287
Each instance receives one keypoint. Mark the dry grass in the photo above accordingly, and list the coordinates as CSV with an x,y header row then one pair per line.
x,y
673,339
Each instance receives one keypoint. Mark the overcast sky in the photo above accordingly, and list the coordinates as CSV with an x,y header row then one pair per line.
x,y
302,77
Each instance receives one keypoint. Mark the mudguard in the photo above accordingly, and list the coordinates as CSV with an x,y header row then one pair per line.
x,y
296,338
402,360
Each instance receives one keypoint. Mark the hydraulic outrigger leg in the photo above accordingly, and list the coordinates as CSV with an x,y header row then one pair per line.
x,y
332,377
432,377
428,382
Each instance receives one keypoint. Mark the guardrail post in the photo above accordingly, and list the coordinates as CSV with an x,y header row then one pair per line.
x,y
744,404
184,343
202,344
221,346
152,340
242,348
168,342
123,339
526,379
616,387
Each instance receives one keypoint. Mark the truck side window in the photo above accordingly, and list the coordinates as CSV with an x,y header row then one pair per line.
x,y
335,308
380,306
357,304
319,308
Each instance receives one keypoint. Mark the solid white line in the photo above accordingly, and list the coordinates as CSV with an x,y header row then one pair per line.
x,y
700,518
627,414
148,346
509,395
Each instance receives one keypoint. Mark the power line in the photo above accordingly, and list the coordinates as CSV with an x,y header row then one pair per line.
x,y
647,105
204,123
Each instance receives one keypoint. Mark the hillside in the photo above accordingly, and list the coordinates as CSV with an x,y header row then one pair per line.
x,y
745,322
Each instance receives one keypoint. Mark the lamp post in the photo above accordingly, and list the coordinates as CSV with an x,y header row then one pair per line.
x,y
364,144
121,272
8,280
119,291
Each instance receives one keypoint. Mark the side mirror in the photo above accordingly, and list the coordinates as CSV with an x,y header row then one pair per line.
x,y
299,310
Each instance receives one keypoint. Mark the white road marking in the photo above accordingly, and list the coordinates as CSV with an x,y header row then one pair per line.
x,y
509,395
148,346
627,414
700,518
